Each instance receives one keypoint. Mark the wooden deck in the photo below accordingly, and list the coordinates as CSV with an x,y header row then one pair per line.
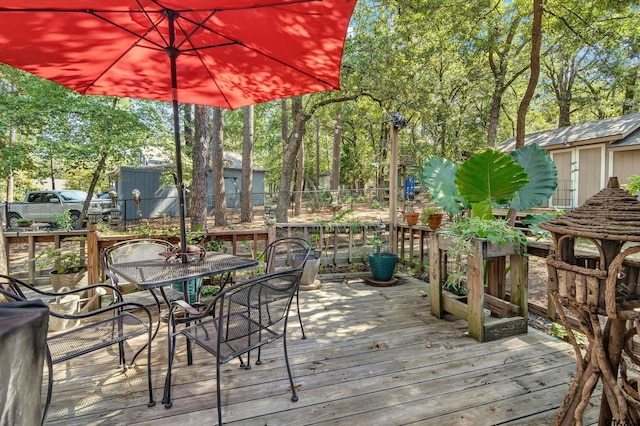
x,y
374,356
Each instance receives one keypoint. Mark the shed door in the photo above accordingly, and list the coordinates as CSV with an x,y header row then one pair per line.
x,y
590,172
563,195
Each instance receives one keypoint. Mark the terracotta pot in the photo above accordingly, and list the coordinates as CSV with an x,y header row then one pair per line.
x,y
411,218
435,220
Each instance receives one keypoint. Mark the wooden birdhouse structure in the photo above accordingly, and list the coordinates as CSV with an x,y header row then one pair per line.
x,y
594,278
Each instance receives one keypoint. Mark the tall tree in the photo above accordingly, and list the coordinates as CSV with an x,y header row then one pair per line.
x,y
246,210
503,51
536,41
217,166
337,138
200,158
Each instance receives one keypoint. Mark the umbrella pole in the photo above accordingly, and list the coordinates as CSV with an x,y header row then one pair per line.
x,y
179,182
173,54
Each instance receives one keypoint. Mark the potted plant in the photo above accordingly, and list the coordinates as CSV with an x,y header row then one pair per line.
x,y
411,216
382,263
67,267
520,180
431,216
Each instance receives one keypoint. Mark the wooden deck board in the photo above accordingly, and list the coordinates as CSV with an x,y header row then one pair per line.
x,y
373,356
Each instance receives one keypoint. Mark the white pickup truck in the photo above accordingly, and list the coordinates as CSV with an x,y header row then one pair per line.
x,y
49,206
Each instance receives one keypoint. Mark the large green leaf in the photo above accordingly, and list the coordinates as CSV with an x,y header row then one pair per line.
x,y
542,173
490,177
438,174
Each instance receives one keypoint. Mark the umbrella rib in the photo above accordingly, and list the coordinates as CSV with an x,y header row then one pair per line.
x,y
198,25
140,37
154,25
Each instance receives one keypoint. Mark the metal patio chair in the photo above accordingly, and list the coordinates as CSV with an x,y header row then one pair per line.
x,y
101,328
132,251
241,318
284,254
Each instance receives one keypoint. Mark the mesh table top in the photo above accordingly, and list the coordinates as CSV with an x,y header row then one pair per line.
x,y
159,272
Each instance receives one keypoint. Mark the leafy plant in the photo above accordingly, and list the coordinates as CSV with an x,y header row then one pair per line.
x,y
633,185
62,261
521,180
64,222
534,220
376,242
495,231
463,231
429,211
219,246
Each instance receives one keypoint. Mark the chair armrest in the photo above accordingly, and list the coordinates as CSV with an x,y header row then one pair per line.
x,y
118,295
119,307
194,314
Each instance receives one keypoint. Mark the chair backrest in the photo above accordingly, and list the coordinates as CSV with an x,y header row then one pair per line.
x,y
254,312
286,253
132,251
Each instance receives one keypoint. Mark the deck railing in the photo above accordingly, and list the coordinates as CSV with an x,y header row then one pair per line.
x,y
337,244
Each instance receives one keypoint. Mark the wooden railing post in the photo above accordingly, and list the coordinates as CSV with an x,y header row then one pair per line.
x,y
93,264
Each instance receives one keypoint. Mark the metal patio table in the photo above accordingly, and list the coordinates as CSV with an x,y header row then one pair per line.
x,y
158,273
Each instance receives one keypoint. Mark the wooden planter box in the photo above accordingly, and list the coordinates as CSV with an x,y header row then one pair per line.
x,y
506,317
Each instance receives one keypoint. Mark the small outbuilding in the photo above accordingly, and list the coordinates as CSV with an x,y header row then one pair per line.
x,y
587,154
159,197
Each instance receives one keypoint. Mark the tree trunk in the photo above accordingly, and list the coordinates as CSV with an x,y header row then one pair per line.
x,y
494,119
630,91
290,151
188,124
10,180
317,154
200,157
217,165
297,195
337,137
536,41
246,210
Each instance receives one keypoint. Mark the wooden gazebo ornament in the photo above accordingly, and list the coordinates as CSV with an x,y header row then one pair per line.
x,y
595,287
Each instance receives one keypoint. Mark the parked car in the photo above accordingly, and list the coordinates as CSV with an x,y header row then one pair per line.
x,y
47,206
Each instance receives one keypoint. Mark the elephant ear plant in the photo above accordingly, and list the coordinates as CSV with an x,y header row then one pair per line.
x,y
523,179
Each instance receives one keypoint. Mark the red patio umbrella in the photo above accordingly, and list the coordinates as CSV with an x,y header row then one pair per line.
x,y
225,53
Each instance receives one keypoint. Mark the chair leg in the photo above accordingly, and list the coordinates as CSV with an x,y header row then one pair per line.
x,y
218,391
151,402
294,394
49,384
166,398
299,316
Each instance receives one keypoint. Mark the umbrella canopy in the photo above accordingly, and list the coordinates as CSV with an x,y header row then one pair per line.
x,y
225,53
229,53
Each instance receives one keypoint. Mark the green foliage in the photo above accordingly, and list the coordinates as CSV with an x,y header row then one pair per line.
x,y
559,331
632,185
490,177
533,222
64,222
429,211
542,174
62,260
523,179
217,246
495,231
439,175
463,231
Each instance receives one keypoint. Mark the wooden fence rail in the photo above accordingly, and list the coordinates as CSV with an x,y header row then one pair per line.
x,y
338,244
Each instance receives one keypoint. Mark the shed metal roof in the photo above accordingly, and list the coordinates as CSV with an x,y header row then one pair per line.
x,y
615,130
